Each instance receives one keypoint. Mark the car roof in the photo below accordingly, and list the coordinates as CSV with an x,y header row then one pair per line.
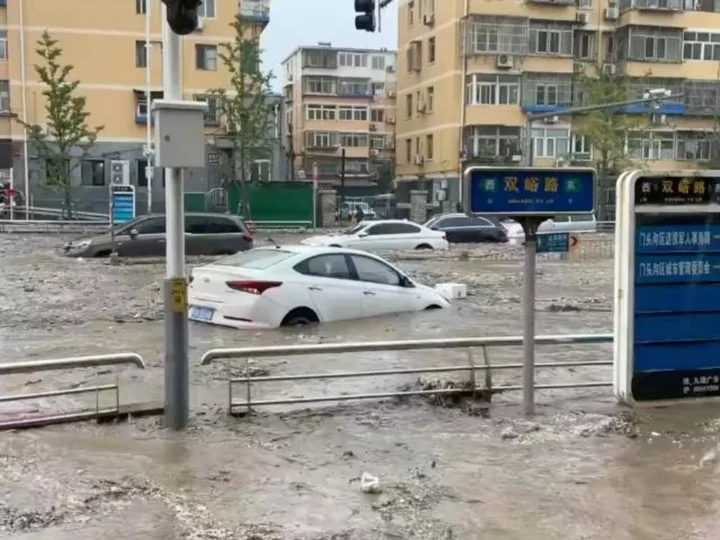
x,y
195,214
301,249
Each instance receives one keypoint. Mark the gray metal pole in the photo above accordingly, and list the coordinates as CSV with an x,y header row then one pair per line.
x,y
342,185
528,384
177,371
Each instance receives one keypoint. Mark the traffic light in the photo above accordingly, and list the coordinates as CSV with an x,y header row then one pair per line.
x,y
365,15
182,15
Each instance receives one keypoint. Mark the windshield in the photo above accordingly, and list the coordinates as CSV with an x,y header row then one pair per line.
x,y
355,230
257,259
431,222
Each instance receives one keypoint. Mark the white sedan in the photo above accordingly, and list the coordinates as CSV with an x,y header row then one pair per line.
x,y
383,235
295,285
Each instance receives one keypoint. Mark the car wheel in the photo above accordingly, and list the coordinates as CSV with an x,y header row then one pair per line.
x,y
433,307
424,246
300,317
103,253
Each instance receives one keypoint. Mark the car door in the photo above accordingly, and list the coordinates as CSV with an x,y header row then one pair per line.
x,y
329,282
372,238
382,288
485,230
148,242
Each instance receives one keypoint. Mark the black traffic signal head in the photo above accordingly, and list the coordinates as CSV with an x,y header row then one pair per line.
x,y
365,18
182,15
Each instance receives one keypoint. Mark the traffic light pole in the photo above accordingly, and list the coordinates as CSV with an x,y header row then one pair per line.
x,y
177,371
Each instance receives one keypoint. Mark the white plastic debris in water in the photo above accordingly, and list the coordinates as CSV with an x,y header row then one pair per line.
x,y
452,291
369,483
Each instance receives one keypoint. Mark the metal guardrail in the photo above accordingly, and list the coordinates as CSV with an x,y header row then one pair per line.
x,y
484,343
30,226
55,364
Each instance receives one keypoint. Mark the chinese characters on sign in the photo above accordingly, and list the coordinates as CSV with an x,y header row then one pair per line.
x,y
701,384
694,239
538,192
677,191
553,243
682,268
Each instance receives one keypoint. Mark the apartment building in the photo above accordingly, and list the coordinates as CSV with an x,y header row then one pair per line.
x,y
471,71
340,101
106,44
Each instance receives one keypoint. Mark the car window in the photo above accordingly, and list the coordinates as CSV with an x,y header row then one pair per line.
x,y
478,221
222,225
259,259
329,266
355,230
393,228
374,271
151,226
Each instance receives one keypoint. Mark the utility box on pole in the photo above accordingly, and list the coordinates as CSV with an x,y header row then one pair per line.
x,y
179,133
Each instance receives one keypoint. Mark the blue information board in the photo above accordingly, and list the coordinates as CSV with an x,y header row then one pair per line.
x,y
676,293
530,191
553,243
123,204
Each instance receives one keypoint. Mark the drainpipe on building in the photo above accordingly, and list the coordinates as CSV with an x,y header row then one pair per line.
x,y
23,76
463,91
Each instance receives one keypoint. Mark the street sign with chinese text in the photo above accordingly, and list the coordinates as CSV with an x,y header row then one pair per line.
x,y
667,319
531,191
122,204
553,243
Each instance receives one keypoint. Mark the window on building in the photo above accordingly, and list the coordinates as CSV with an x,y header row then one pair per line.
x,y
320,112
378,62
499,34
212,115
377,142
546,94
693,145
701,46
551,142
140,54
141,172
430,99
360,114
141,7
3,45
409,105
493,90
581,148
493,141
206,57
431,50
408,150
377,115
93,172
378,88
551,40
354,140
5,96
651,146
429,146
584,3
655,45
206,10
584,45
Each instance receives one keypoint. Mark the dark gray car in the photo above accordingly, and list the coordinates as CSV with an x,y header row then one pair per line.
x,y
205,234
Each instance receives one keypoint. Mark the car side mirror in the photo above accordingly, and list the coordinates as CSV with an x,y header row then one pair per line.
x,y
133,233
362,234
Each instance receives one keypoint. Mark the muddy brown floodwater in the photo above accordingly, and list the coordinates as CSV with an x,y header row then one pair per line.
x,y
582,468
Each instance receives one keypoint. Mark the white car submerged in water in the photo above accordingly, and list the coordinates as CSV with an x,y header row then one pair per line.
x,y
383,235
271,287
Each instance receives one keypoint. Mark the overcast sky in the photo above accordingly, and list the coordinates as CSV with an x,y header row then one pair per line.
x,y
295,23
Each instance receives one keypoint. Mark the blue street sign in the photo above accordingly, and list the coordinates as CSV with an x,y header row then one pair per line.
x,y
675,294
530,191
553,243
123,204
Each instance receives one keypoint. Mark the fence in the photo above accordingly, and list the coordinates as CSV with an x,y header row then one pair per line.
x,y
67,363
483,343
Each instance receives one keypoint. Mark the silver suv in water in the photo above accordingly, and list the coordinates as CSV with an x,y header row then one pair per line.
x,y
205,234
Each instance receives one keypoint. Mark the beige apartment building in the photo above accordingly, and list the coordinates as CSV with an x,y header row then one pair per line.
x,y
340,101
105,41
470,71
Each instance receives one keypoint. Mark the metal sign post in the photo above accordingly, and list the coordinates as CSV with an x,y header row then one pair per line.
x,y
667,280
531,195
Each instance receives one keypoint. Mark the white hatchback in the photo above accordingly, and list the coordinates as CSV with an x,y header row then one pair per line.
x,y
294,285
383,235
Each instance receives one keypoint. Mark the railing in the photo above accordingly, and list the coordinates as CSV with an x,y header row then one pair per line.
x,y
51,226
279,225
483,343
78,362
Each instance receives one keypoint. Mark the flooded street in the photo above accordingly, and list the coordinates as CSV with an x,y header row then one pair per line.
x,y
582,468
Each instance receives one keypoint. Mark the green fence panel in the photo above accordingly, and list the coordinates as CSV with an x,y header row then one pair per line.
x,y
194,202
290,202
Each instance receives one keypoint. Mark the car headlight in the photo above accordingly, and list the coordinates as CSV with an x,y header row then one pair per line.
x,y
77,246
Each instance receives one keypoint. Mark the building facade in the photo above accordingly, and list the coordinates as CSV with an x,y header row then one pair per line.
x,y
105,42
471,71
340,101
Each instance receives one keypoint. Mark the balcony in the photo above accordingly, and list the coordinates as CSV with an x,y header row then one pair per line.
x,y
638,88
552,2
546,92
671,6
255,11
320,59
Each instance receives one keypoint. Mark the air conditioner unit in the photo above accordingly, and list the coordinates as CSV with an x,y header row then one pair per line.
x,y
390,120
390,69
429,19
516,158
504,61
609,69
374,152
421,107
612,14
392,94
582,18
141,109
200,24
418,160
373,127
551,120
119,172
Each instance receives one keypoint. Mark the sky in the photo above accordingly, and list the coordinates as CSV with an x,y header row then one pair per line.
x,y
295,23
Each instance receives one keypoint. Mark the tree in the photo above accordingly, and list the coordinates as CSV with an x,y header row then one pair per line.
x,y
607,130
247,106
66,138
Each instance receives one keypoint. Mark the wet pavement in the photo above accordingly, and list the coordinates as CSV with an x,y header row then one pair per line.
x,y
582,468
